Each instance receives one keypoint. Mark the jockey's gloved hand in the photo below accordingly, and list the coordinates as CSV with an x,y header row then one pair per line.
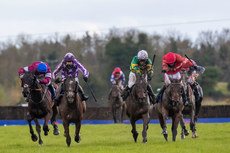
x,y
192,68
163,71
57,80
150,75
85,78
21,76
195,67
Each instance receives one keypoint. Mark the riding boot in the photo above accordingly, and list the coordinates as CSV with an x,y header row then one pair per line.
x,y
59,94
51,89
125,93
151,94
81,92
159,95
184,96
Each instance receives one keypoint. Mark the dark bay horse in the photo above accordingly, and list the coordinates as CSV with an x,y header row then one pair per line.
x,y
171,106
139,106
71,109
39,106
117,104
189,109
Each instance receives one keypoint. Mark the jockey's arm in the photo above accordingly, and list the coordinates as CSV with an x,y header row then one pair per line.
x,y
47,79
134,66
123,79
57,70
112,79
82,69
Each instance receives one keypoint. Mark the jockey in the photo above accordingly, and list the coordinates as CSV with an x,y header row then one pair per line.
x,y
172,65
70,66
43,74
118,77
139,65
193,74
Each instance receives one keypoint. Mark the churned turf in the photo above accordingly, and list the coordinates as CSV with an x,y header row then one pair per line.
x,y
213,138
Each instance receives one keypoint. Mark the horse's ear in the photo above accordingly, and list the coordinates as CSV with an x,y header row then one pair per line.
x,y
171,80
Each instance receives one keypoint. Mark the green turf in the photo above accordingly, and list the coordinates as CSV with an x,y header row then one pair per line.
x,y
213,138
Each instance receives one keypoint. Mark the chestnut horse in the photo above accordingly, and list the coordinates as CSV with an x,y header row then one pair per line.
x,y
71,109
139,106
171,106
39,105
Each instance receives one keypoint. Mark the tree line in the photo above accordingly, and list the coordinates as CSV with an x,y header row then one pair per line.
x,y
100,54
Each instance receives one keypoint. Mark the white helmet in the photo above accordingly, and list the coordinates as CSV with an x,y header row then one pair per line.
x,y
142,55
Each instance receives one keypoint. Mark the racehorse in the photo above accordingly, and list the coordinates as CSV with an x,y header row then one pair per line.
x,y
139,106
171,106
40,105
117,104
189,109
71,108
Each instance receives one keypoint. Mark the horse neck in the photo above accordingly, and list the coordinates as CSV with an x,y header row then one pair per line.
x,y
38,92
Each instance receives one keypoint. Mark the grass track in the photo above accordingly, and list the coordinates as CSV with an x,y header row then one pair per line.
x,y
213,138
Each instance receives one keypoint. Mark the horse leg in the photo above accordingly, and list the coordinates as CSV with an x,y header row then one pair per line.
x,y
77,132
33,136
184,131
134,131
114,114
175,121
45,126
122,112
53,120
66,133
192,124
38,129
163,124
146,119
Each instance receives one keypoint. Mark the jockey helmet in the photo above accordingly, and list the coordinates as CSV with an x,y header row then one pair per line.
x,y
117,70
42,68
69,57
170,58
142,55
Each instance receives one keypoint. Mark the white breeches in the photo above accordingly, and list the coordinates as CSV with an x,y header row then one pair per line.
x,y
132,79
172,76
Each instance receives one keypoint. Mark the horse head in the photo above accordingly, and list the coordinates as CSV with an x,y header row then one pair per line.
x,y
174,90
70,88
115,91
28,81
141,88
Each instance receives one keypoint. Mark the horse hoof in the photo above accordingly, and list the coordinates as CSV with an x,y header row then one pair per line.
x,y
77,139
182,136
46,133
135,135
40,142
194,136
56,132
68,141
34,138
186,132
166,137
145,141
